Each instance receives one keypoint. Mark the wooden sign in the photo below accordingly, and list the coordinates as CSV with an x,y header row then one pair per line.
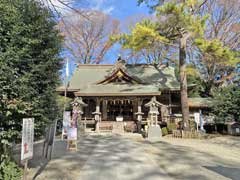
x,y
72,139
27,139
72,133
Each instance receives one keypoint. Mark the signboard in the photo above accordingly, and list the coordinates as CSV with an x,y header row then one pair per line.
x,y
66,122
119,118
72,133
197,118
237,130
27,138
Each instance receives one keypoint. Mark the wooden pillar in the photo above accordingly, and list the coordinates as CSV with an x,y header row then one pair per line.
x,y
135,108
104,109
170,102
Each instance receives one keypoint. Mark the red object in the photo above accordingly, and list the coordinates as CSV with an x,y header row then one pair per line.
x,y
25,148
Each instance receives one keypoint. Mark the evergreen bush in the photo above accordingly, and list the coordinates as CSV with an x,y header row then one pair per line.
x,y
164,131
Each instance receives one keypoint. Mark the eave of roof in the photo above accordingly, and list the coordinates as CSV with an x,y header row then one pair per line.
x,y
199,102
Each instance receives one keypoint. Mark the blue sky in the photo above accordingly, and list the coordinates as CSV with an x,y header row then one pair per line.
x,y
118,9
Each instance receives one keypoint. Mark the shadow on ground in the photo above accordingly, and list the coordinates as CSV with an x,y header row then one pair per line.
x,y
229,172
113,157
182,162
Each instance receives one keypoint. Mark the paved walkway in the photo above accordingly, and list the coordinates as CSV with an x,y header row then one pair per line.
x,y
117,158
113,157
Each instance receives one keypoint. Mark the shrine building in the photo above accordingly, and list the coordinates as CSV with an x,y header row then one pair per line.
x,y
121,92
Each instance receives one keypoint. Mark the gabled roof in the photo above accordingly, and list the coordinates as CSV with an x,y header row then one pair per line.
x,y
96,80
121,76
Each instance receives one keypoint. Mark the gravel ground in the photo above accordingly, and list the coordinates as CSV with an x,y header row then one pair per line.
x,y
130,157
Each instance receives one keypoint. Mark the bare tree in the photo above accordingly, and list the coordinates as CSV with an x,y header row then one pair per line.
x,y
61,7
223,22
88,40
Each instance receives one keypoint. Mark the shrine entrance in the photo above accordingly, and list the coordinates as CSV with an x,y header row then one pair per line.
x,y
120,110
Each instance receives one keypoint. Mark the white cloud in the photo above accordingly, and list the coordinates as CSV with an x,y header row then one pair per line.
x,y
108,10
58,5
103,5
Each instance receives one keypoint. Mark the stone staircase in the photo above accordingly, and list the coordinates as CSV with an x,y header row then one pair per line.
x,y
116,127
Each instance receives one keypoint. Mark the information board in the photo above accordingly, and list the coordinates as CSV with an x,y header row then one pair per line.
x,y
197,118
72,133
27,138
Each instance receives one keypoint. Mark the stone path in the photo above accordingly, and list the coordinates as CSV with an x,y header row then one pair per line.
x,y
117,158
113,157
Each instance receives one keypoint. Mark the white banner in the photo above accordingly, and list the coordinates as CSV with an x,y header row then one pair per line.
x,y
27,138
197,118
66,122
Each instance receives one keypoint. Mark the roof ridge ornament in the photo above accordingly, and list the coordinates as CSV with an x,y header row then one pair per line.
x,y
120,64
119,74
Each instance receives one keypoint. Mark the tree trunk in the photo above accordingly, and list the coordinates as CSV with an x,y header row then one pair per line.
x,y
183,83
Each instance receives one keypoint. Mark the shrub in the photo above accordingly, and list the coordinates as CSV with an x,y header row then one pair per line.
x,y
164,131
171,127
10,171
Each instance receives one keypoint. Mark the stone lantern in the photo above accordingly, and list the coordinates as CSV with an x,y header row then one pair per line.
x,y
154,130
77,111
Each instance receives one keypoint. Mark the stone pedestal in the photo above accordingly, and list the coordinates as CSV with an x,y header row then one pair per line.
x,y
154,133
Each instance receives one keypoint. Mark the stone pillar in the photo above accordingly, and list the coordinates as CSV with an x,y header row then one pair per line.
x,y
77,111
139,115
97,115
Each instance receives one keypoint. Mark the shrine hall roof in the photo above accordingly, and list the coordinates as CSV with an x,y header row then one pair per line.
x,y
147,80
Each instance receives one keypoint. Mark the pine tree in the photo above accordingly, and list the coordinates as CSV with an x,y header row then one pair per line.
x,y
176,23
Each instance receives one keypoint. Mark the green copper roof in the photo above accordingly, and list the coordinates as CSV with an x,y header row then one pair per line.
x,y
119,90
154,79
199,102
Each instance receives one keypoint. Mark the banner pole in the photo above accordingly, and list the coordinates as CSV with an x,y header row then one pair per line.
x,y
25,170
